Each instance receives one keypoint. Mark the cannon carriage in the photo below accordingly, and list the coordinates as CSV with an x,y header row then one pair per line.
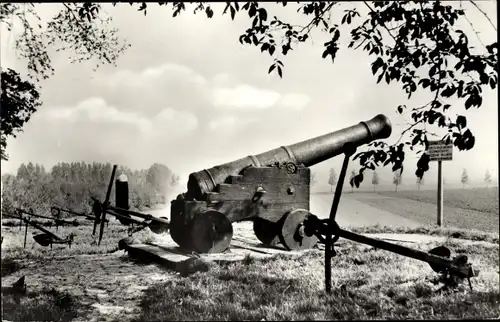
x,y
272,189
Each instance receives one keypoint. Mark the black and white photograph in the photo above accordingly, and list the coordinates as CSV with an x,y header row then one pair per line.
x,y
249,161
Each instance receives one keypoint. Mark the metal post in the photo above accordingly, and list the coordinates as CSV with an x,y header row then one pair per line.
x,y
26,234
329,251
105,205
440,196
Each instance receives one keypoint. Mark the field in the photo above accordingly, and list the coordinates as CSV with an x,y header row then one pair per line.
x,y
463,208
480,199
91,283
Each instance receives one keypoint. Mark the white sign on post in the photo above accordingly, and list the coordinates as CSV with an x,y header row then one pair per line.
x,y
440,151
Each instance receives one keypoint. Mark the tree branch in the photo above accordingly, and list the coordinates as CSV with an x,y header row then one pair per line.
x,y
383,25
484,14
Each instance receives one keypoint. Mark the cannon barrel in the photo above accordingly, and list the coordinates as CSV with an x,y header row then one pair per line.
x,y
308,153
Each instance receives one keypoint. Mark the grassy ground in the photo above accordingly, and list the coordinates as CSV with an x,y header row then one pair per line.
x,y
480,199
459,233
367,284
84,242
91,283
406,206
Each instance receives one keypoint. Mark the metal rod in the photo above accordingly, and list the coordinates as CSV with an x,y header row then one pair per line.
x,y
140,215
25,234
401,250
331,220
135,221
44,217
106,201
48,232
440,195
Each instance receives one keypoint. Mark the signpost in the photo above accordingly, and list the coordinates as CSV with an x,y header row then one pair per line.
x,y
440,151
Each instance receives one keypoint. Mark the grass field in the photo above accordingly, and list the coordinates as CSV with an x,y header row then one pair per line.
x,y
467,209
480,199
84,242
91,283
367,284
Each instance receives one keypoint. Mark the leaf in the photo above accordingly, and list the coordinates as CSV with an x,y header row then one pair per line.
x,y
449,91
336,35
233,12
425,82
461,122
210,13
255,40
273,66
252,11
280,72
263,14
271,50
377,64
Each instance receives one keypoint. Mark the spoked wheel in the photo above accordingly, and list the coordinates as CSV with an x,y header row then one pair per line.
x,y
266,231
211,232
158,227
292,234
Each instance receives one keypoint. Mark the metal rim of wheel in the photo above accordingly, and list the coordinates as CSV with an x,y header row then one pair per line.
x,y
266,231
211,232
291,235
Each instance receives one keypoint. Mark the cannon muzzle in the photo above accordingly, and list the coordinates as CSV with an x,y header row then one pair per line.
x,y
308,153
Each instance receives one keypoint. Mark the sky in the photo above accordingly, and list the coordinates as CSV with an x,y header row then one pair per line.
x,y
187,94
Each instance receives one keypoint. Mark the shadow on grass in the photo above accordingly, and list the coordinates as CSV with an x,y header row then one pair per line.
x,y
9,266
45,305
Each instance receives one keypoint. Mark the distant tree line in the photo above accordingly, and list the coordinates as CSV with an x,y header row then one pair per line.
x,y
397,179
71,186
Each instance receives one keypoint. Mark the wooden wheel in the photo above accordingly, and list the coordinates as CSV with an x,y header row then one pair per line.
x,y
292,234
210,232
266,231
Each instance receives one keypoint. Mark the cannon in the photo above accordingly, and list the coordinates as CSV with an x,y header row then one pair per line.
x,y
271,189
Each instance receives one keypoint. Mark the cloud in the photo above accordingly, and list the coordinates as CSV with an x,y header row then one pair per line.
x,y
95,110
244,96
295,101
229,123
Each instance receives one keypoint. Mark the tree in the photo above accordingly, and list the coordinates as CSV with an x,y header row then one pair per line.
x,y
313,178
174,180
487,178
375,179
420,181
78,28
465,178
397,179
332,179
437,58
418,45
353,174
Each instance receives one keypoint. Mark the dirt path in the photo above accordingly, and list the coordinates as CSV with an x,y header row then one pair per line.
x,y
355,213
108,287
